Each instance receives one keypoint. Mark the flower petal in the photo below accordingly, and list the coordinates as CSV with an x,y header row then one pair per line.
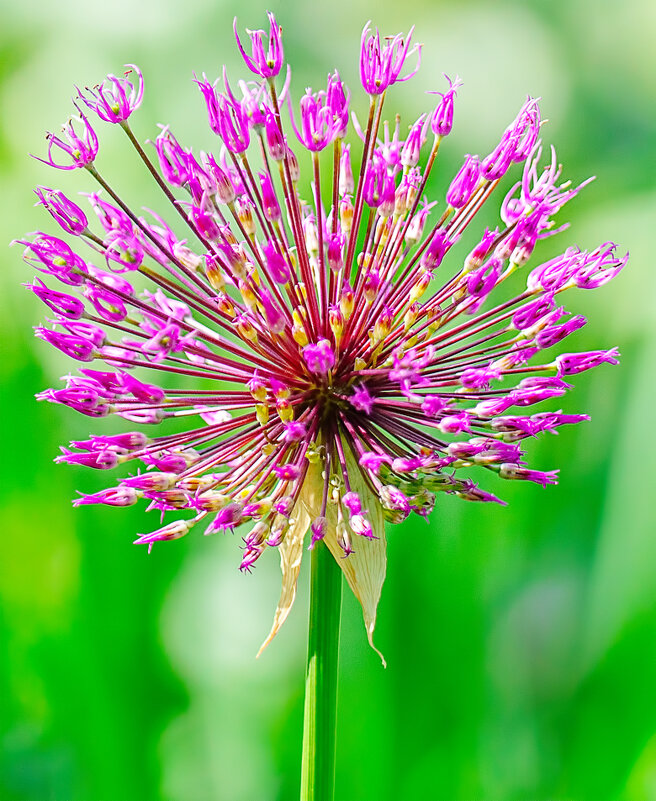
x,y
291,553
364,570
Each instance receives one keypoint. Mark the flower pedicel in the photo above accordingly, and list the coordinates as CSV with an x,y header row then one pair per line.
x,y
333,371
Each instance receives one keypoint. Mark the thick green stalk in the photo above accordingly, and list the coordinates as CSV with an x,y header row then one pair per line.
x,y
318,767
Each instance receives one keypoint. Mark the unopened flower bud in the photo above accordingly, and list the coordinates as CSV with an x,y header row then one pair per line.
x,y
410,317
214,272
371,285
262,413
294,169
383,324
346,214
284,409
225,305
335,251
274,138
245,214
70,216
421,285
257,388
245,328
346,180
270,204
298,329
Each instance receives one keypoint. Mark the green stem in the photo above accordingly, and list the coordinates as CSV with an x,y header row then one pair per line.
x,y
318,767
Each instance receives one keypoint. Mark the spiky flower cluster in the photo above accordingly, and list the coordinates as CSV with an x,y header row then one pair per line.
x,y
330,369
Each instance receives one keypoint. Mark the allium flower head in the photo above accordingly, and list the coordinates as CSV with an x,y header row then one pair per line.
x,y
333,363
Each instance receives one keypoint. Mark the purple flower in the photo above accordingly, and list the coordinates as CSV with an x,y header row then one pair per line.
x,y
275,139
67,305
289,472
516,143
393,499
70,217
171,531
267,57
479,377
413,144
362,400
83,399
121,443
276,265
173,159
270,204
381,64
374,461
573,363
442,119
319,126
555,333
115,496
512,471
293,431
99,460
432,405
76,347
463,185
599,267
226,115
253,106
320,358
151,482
275,318
436,249
299,368
81,148
482,281
54,257
318,529
337,97
115,99
110,216
375,182
557,272
123,252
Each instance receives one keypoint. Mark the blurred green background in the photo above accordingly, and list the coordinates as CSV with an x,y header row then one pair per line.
x,y
521,642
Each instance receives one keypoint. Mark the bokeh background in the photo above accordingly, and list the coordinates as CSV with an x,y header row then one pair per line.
x,y
521,642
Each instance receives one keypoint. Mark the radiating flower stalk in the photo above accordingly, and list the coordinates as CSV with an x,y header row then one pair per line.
x,y
330,370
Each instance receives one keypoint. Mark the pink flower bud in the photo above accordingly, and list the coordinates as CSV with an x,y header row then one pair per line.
x,y
67,214
61,303
442,119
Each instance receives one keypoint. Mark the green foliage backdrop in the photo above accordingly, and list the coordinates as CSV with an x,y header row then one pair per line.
x,y
521,642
